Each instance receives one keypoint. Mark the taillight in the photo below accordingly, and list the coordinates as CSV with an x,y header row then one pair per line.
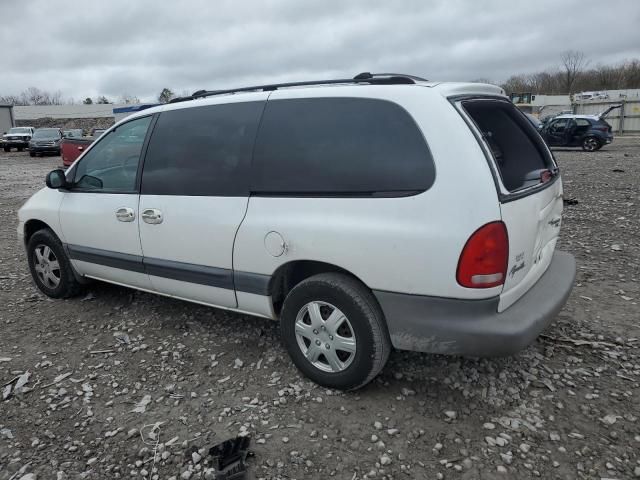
x,y
484,258
602,128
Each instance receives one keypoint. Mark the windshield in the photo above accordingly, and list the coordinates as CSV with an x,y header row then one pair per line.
x,y
20,130
47,133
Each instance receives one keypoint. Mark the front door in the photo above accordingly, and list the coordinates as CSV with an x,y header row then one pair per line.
x,y
99,213
194,196
555,133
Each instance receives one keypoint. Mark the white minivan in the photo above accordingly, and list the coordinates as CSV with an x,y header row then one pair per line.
x,y
368,213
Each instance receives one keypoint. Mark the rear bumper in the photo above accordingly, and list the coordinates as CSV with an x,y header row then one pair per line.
x,y
474,327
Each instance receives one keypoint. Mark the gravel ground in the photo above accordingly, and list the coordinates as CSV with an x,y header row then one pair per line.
x,y
175,378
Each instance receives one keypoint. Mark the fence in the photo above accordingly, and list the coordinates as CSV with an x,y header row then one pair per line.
x,y
624,120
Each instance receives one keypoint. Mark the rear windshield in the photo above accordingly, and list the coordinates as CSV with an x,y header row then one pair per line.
x,y
519,152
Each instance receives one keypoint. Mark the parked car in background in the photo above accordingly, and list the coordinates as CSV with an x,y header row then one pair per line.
x,y
96,132
72,147
587,131
534,121
17,137
45,140
321,208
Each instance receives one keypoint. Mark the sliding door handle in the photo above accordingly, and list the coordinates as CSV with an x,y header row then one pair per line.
x,y
152,216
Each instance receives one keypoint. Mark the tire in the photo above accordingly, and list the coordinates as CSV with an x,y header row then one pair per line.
x,y
67,285
32,154
7,149
20,149
591,144
363,330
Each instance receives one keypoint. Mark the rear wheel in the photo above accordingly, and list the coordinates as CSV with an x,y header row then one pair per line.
x,y
20,149
32,154
334,331
591,144
50,267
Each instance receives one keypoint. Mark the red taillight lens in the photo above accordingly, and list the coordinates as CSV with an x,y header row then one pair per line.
x,y
483,261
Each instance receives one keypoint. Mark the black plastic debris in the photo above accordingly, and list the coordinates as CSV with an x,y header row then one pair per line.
x,y
618,170
229,457
570,201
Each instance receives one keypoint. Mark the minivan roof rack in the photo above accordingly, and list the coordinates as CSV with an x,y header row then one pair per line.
x,y
365,77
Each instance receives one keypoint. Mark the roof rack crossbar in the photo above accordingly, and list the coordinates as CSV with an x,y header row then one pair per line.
x,y
366,77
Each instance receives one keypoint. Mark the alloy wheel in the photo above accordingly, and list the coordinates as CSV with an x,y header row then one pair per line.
x,y
590,144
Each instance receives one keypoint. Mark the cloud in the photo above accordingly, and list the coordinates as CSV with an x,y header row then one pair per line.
x,y
140,46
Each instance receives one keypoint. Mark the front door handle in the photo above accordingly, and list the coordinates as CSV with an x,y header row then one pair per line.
x,y
152,216
125,214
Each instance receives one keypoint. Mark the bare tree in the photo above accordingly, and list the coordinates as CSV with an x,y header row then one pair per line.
x,y
102,100
573,62
516,84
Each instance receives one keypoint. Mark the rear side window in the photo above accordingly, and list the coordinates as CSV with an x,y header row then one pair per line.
x,y
340,146
518,150
202,151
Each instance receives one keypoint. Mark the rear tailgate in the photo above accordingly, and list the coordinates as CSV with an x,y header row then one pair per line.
x,y
533,225
529,188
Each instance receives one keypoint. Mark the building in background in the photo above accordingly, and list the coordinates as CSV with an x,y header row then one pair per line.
x,y
541,105
6,118
86,117
122,112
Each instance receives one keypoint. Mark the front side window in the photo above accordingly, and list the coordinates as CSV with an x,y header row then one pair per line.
x,y
340,146
112,164
202,151
559,126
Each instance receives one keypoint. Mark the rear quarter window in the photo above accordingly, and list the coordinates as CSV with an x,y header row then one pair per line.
x,y
340,146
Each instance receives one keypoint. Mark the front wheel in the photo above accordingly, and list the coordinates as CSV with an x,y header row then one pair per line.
x,y
50,266
7,149
20,149
591,144
334,331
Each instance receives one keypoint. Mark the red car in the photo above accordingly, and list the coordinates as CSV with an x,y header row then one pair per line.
x,y
72,147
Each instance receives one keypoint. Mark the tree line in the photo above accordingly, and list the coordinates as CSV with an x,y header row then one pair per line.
x,y
571,75
36,96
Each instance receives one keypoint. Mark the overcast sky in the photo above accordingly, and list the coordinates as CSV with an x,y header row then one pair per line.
x,y
89,47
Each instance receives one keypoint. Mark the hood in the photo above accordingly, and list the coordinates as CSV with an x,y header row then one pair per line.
x,y
16,135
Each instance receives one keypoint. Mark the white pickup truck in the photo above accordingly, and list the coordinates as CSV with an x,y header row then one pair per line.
x,y
17,137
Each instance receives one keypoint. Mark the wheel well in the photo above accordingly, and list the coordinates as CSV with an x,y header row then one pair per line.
x,y
31,227
287,276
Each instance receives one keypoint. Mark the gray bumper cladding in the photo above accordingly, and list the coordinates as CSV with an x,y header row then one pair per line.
x,y
474,327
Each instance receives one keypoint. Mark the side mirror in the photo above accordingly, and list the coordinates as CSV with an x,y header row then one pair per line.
x,y
56,179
